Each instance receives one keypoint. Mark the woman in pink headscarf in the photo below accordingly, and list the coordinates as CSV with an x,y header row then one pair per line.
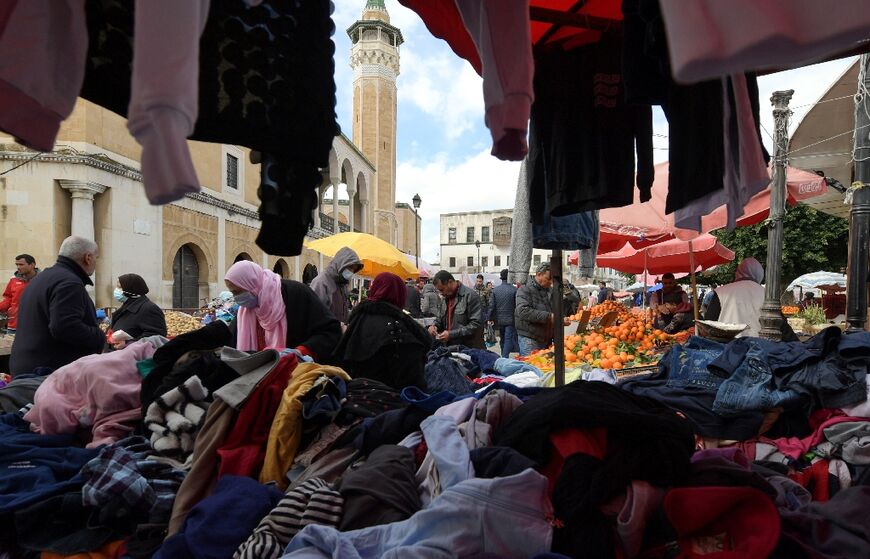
x,y
276,313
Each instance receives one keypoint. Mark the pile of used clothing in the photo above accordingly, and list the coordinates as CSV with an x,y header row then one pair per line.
x,y
746,449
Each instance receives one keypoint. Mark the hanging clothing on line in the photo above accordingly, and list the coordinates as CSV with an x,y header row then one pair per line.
x,y
583,135
705,122
710,38
258,76
744,159
501,36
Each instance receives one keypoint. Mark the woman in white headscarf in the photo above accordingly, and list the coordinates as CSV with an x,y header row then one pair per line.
x,y
739,302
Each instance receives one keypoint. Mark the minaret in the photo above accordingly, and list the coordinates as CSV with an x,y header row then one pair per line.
x,y
374,58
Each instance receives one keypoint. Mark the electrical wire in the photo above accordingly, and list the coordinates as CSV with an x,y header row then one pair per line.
x,y
7,171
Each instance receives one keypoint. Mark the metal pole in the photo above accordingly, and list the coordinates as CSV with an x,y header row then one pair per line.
x,y
771,311
416,242
694,283
859,214
558,317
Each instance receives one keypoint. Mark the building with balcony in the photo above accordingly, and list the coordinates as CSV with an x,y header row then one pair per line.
x,y
480,242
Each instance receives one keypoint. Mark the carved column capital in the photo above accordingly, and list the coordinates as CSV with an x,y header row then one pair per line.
x,y
85,190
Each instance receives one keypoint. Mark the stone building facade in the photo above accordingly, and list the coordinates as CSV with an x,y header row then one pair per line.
x,y
460,232
90,185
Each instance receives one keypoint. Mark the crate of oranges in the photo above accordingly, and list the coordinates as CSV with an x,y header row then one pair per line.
x,y
629,343
790,310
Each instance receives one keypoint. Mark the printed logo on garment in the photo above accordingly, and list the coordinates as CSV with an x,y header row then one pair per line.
x,y
606,90
21,465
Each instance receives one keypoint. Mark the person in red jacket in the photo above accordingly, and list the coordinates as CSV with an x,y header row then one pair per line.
x,y
26,271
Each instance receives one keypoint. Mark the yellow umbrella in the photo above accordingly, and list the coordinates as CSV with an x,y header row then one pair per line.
x,y
376,255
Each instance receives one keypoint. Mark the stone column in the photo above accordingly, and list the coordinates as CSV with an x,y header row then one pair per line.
x,y
364,226
82,222
351,192
335,181
82,194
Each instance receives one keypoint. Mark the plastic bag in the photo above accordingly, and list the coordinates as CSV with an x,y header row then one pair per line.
x,y
489,335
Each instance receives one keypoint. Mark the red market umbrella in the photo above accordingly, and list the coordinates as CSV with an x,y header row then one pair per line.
x,y
646,223
673,256
670,256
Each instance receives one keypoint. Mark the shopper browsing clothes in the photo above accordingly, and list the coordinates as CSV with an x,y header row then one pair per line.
x,y
276,313
57,321
25,270
534,316
414,290
331,285
501,314
137,316
382,342
460,321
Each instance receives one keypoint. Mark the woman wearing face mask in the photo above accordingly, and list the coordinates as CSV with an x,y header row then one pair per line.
x,y
332,284
137,316
276,313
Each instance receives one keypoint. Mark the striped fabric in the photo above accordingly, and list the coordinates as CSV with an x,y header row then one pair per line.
x,y
313,502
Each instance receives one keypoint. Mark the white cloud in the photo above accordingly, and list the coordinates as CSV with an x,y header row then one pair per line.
x,y
444,87
480,182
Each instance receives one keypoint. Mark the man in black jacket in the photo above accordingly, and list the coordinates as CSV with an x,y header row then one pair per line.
x,y
57,321
501,314
534,315
460,320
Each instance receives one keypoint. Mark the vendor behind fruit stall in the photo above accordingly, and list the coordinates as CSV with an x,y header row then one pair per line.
x,y
138,316
673,312
671,316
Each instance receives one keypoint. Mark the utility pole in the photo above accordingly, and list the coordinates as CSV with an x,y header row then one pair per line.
x,y
859,214
771,311
558,317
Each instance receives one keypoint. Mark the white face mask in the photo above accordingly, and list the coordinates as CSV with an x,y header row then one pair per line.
x,y
347,274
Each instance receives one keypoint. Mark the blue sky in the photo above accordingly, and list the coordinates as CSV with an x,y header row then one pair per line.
x,y
443,144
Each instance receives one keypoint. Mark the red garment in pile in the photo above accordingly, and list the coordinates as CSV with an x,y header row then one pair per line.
x,y
245,448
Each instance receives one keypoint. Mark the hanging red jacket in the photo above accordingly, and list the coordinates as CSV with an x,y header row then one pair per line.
x,y
11,297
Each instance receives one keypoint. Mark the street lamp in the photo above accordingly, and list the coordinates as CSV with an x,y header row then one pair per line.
x,y
477,244
416,200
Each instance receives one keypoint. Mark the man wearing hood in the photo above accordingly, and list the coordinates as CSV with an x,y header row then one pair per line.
x,y
430,301
331,285
26,270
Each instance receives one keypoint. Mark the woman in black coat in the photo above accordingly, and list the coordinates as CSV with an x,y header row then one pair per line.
x,y
382,342
137,316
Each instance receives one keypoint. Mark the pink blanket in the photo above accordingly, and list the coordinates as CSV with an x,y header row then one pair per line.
x,y
97,393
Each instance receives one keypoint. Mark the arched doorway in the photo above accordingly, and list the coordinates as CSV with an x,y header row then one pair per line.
x,y
242,256
185,279
282,268
309,273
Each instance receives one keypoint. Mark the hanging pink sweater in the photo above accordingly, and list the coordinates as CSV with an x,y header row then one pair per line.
x,y
97,393
500,31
